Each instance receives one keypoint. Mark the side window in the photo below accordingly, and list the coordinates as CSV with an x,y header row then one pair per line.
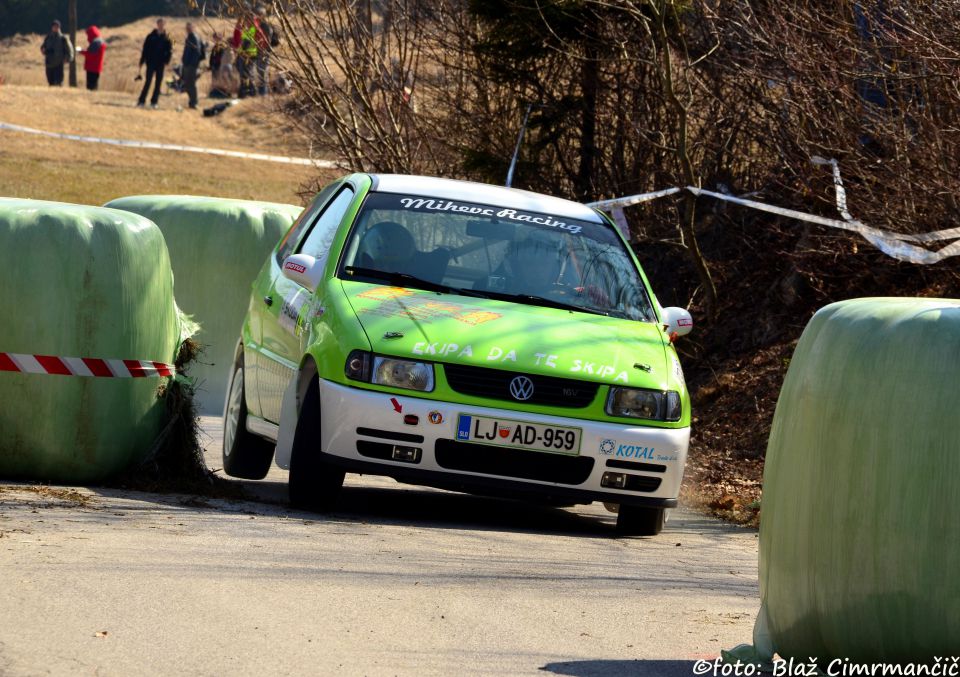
x,y
318,240
307,217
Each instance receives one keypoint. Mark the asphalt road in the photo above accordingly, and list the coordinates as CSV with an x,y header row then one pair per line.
x,y
401,580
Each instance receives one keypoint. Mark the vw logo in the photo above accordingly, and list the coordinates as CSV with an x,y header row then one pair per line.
x,y
521,388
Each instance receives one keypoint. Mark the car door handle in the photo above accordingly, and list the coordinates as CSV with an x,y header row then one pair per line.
x,y
268,300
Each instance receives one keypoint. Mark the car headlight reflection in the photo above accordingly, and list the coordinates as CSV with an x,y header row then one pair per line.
x,y
395,373
653,405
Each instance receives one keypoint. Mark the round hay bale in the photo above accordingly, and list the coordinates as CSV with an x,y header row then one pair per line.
x,y
79,281
217,247
860,536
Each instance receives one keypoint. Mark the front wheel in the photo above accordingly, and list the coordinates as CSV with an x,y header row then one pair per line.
x,y
314,484
635,520
245,455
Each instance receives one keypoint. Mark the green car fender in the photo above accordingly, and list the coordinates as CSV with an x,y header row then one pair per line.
x,y
333,331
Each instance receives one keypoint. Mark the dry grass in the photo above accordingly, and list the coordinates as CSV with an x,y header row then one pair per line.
x,y
69,171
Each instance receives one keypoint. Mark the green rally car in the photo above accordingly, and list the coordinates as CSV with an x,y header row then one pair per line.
x,y
462,336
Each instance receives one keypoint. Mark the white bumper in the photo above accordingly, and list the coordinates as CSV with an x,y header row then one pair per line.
x,y
647,453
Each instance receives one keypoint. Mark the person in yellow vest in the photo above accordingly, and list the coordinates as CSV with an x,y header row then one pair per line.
x,y
246,42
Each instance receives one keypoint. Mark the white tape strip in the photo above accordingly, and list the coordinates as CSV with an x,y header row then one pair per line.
x,y
935,236
325,164
77,366
892,244
607,205
28,364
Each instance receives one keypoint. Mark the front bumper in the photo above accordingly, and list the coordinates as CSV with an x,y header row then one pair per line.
x,y
359,428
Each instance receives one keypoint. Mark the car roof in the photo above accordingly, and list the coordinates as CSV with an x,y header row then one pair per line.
x,y
470,191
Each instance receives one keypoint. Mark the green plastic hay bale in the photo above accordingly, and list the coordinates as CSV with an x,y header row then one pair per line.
x,y
860,533
217,247
81,282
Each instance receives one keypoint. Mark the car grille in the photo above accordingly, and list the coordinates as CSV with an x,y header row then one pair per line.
x,y
495,384
528,465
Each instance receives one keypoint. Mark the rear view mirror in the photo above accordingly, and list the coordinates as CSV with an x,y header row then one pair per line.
x,y
491,230
677,321
304,270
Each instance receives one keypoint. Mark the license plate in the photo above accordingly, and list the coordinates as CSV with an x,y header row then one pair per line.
x,y
504,432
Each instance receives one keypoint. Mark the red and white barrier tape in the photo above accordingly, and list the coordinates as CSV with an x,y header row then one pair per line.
x,y
83,366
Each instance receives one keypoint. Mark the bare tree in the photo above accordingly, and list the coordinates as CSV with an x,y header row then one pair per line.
x,y
72,27
358,69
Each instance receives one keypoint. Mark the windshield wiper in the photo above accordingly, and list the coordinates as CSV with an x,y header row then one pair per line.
x,y
419,283
535,300
405,279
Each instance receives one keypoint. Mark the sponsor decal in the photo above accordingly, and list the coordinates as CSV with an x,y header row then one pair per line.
x,y
463,429
435,417
295,267
637,452
678,370
685,322
385,293
498,354
292,318
427,204
601,370
422,309
607,446
634,451
477,317
550,360
424,348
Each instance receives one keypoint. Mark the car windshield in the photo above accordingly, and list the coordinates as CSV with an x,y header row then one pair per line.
x,y
486,250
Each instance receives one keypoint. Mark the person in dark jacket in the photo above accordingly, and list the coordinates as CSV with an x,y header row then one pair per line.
x,y
156,53
93,57
56,50
267,39
190,64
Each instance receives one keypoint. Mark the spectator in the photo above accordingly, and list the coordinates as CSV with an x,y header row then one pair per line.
x,y
156,53
93,57
56,50
267,39
222,84
193,55
246,38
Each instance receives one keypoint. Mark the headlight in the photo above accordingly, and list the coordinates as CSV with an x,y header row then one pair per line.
x,y
653,405
389,371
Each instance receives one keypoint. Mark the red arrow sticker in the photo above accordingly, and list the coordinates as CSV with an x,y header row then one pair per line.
x,y
397,407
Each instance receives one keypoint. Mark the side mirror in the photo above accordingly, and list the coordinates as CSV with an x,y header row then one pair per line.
x,y
304,270
677,321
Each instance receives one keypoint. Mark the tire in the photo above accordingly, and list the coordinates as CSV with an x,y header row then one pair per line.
x,y
245,455
635,520
314,485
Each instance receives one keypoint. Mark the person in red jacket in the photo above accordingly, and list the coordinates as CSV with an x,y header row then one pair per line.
x,y
93,57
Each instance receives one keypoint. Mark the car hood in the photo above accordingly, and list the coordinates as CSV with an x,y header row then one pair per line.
x,y
510,336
